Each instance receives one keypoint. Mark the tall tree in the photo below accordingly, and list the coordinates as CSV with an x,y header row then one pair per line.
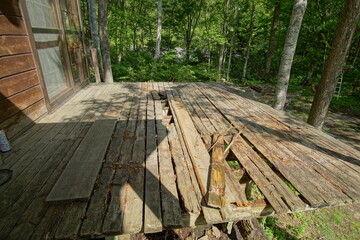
x,y
104,41
190,12
248,46
272,39
159,27
334,63
94,30
234,20
224,33
289,52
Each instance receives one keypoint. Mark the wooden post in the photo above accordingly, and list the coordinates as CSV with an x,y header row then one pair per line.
x,y
95,64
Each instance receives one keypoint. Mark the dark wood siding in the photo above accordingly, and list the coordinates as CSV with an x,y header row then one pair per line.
x,y
21,96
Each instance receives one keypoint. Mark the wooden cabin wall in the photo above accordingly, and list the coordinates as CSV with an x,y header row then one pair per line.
x,y
21,96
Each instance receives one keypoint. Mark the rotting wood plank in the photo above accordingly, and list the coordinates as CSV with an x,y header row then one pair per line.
x,y
92,224
75,213
55,218
325,164
16,187
197,150
303,130
234,192
22,162
211,215
171,212
211,118
184,183
115,214
125,209
133,215
186,190
216,193
273,196
84,166
335,188
32,206
29,207
29,140
152,211
298,177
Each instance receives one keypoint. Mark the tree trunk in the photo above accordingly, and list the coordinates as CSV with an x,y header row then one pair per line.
x,y
104,41
224,32
289,52
94,31
158,33
251,29
334,63
272,39
232,43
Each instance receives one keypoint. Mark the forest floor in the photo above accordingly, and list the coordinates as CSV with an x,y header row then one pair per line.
x,y
342,122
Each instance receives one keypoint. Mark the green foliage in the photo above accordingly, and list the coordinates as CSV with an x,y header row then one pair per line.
x,y
140,66
197,27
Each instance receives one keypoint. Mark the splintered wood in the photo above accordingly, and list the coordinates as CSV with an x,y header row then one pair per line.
x,y
216,194
160,161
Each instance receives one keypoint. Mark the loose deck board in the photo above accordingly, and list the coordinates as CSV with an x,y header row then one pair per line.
x,y
78,178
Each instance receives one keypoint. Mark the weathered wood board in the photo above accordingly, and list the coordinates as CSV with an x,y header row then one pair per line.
x,y
78,178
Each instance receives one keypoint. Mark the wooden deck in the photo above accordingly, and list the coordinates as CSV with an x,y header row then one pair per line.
x,y
155,169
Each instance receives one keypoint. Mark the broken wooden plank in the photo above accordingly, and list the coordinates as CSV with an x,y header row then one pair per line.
x,y
171,210
186,190
152,209
210,214
216,194
78,178
197,150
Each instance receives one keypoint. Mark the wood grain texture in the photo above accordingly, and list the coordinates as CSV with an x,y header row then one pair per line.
x,y
19,102
152,214
171,210
12,25
17,83
197,150
11,45
78,178
216,194
16,64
